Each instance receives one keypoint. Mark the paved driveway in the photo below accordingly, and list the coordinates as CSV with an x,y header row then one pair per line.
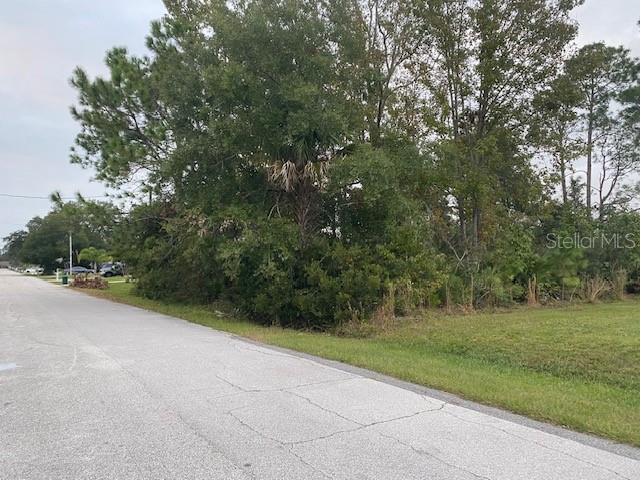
x,y
91,389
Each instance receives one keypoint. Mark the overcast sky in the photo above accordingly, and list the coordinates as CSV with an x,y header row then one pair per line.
x,y
41,42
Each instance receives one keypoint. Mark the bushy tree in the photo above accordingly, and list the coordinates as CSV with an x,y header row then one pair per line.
x,y
601,73
47,240
13,244
93,255
316,162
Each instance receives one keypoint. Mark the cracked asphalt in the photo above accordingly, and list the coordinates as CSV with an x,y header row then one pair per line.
x,y
91,389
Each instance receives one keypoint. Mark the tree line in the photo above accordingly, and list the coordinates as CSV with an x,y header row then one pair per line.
x,y
322,161
45,240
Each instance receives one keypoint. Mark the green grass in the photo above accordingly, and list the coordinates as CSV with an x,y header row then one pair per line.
x,y
577,366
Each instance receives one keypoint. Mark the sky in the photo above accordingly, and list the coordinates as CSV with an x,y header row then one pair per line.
x,y
42,41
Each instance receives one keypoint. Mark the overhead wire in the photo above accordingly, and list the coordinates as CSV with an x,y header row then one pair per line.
x,y
37,197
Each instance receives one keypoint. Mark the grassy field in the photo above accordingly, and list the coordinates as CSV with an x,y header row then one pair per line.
x,y
577,366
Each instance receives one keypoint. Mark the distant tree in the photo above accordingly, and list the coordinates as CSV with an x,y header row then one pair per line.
x,y
48,240
618,155
13,245
630,99
601,73
554,128
90,223
486,60
95,256
631,114
379,43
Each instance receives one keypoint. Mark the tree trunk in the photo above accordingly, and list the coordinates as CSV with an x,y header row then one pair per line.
x,y
462,218
532,291
589,155
476,225
563,183
304,209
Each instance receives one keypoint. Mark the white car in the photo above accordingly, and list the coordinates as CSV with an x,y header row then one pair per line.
x,y
34,270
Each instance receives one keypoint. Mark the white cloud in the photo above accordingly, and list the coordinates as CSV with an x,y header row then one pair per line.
x,y
611,21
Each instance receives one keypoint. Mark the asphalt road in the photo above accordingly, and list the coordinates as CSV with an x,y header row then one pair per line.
x,y
90,389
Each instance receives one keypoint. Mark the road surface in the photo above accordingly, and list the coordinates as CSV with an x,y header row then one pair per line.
x,y
91,389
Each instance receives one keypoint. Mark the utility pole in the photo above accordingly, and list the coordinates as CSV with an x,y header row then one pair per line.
x,y
70,254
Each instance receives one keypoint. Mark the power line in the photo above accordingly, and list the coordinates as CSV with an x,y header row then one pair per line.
x,y
9,195
23,196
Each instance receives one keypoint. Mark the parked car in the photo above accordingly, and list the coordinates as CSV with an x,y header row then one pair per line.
x,y
34,270
77,269
111,269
